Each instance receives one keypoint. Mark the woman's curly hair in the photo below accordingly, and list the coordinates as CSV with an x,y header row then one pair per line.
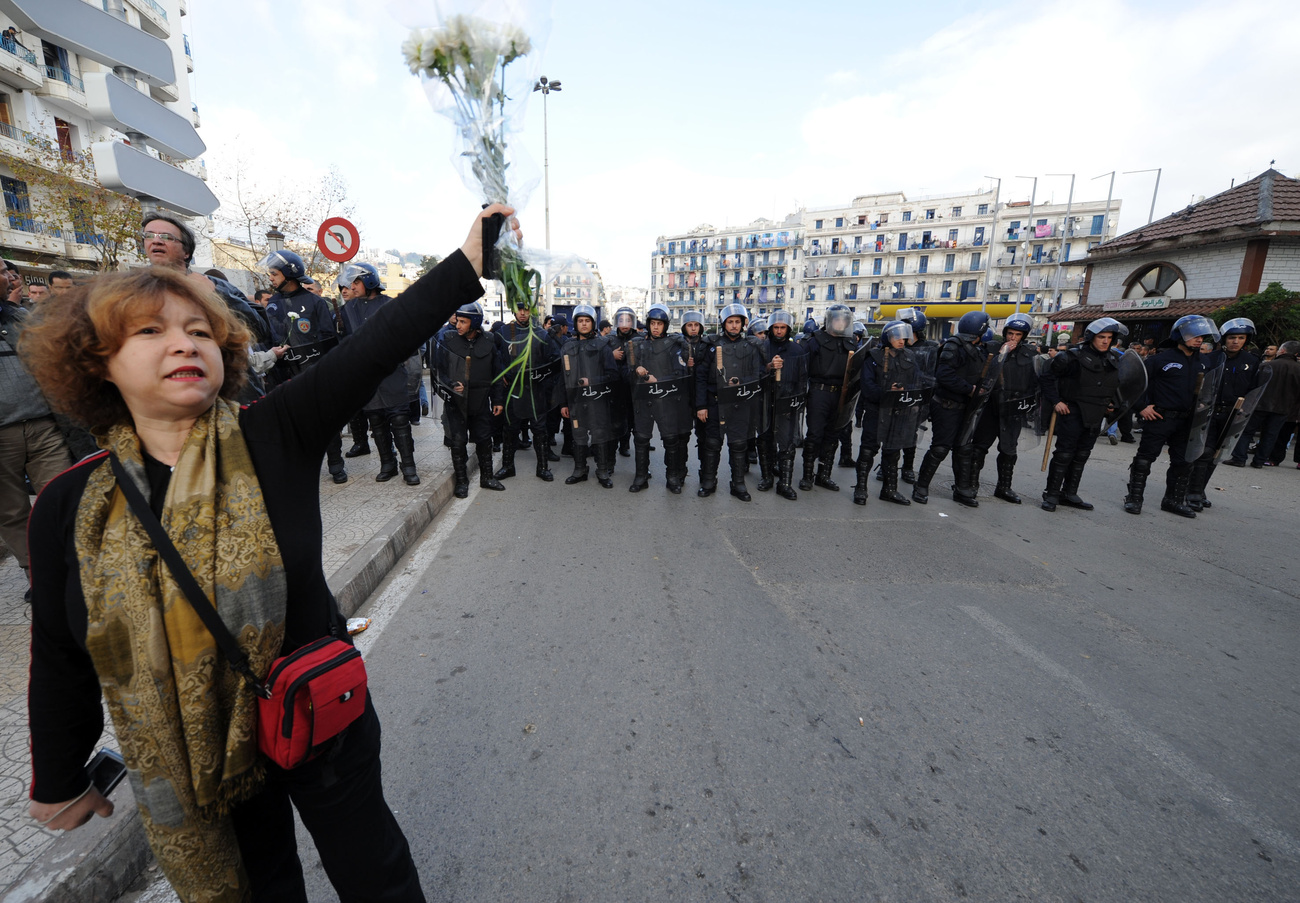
x,y
66,344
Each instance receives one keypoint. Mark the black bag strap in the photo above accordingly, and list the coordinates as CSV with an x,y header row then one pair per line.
x,y
198,599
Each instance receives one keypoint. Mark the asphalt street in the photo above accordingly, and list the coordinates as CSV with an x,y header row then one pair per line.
x,y
593,695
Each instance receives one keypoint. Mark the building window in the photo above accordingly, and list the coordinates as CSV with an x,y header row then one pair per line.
x,y
862,220
1038,253
853,292
949,262
875,291
967,289
1097,223
830,292
839,222
1157,280
812,293
975,261
956,211
898,266
929,214
1065,253
920,289
947,289
983,209
979,236
907,216
817,224
952,235
884,218
923,265
856,265
902,241
898,290
875,267
18,205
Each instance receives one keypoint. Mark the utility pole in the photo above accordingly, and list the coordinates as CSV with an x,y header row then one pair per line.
x,y
988,247
1024,244
1154,191
1069,203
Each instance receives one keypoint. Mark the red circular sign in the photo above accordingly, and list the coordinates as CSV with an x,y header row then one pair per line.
x,y
338,239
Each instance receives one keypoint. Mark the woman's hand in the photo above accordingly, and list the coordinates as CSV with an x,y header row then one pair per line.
x,y
67,815
473,247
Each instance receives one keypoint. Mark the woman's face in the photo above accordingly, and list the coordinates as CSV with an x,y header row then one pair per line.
x,y
169,367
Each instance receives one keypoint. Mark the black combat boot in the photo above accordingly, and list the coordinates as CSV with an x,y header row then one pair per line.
x,y
543,467
579,474
360,446
1200,478
1056,472
1138,472
605,463
824,468
846,454
785,477
929,467
384,445
909,462
675,464
765,474
624,448
710,456
963,467
405,442
889,472
1070,488
485,478
460,470
809,466
1175,500
507,469
641,479
1006,469
739,463
865,462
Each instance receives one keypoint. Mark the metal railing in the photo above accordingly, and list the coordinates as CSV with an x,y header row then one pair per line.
x,y
63,75
19,51
153,6
35,227
14,133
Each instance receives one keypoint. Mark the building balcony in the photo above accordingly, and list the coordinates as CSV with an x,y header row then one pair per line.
x,y
184,7
62,89
194,114
18,231
19,68
153,18
165,93
189,56
82,245
16,141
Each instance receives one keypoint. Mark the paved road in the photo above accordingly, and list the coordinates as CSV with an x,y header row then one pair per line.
x,y
591,695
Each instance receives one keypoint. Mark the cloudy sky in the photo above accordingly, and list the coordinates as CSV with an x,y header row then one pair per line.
x,y
675,114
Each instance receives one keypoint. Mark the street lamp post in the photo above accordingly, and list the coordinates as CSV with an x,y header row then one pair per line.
x,y
993,235
546,87
1154,191
1024,244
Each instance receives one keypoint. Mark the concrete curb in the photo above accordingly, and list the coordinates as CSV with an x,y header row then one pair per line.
x,y
99,861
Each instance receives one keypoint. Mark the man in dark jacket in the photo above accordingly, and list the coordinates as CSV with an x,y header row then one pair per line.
x,y
960,376
468,364
1281,401
1241,370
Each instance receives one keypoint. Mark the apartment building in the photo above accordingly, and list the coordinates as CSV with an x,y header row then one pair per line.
x,y
707,268
43,94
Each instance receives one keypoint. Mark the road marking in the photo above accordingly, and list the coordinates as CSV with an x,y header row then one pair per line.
x,y
1159,749
382,610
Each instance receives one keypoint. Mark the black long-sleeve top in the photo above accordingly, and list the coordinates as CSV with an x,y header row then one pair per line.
x,y
1171,380
287,433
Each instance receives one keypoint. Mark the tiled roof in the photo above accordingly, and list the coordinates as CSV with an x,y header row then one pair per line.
x,y
1176,309
1269,197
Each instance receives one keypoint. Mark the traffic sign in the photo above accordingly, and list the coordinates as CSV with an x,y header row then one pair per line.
x,y
338,239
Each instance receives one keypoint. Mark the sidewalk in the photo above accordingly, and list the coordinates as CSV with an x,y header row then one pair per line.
x,y
367,527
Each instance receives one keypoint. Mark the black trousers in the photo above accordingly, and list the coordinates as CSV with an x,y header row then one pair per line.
x,y
822,408
340,799
459,430
991,429
946,423
1156,434
1072,435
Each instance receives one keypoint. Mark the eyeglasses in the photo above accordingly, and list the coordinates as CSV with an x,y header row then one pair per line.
x,y
161,236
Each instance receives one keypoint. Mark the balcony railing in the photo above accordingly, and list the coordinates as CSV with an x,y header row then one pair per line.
x,y
19,51
15,134
63,75
22,223
154,6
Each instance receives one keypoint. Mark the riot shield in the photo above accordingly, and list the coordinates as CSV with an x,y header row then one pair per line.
x,y
1207,391
975,407
662,395
451,378
739,371
1132,385
900,416
298,358
529,393
1242,411
590,396
850,388
787,400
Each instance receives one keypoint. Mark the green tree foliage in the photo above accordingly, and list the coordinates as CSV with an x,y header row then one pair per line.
x,y
428,262
1275,312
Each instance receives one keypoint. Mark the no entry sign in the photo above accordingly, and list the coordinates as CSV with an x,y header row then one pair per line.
x,y
338,239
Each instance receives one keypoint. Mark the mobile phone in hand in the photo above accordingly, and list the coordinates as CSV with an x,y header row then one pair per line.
x,y
491,255
106,770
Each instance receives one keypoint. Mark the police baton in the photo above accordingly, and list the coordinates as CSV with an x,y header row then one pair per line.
x,y
1051,428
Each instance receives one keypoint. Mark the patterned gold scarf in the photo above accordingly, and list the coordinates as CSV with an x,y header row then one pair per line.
x,y
186,722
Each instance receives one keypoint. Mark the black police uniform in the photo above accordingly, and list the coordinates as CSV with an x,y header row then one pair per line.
x,y
618,340
1085,379
305,323
701,347
1171,389
909,454
1240,376
962,364
1001,419
386,412
748,359
530,395
774,461
667,360
592,357
828,361
885,367
482,392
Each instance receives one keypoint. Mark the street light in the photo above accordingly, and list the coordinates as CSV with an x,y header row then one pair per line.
x,y
546,87
1154,191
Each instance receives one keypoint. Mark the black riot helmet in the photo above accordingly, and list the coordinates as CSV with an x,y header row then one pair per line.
x,y
839,321
1019,322
1237,326
1105,324
971,326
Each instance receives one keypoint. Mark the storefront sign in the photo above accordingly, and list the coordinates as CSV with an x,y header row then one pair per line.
x,y
1156,303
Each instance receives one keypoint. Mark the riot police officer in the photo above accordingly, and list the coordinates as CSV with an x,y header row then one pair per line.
x,y
834,369
1174,380
303,323
891,382
591,375
927,352
530,391
468,364
1012,404
1080,385
960,384
1241,370
700,346
387,410
623,332
660,372
728,400
788,396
